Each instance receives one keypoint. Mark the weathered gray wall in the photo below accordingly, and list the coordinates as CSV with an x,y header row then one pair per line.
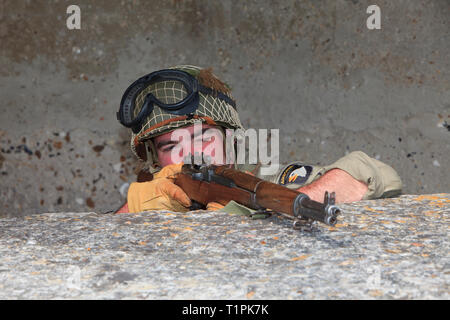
x,y
310,68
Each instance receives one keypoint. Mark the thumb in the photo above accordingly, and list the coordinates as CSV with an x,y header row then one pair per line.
x,y
175,192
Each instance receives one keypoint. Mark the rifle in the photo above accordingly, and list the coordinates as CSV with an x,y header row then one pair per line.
x,y
210,183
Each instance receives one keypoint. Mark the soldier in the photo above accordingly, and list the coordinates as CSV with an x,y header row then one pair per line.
x,y
162,103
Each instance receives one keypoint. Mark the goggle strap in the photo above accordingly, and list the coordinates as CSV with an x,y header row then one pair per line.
x,y
218,94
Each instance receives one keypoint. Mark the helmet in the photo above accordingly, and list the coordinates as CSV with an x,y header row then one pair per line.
x,y
168,99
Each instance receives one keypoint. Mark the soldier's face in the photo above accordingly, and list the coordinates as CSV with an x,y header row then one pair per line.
x,y
172,147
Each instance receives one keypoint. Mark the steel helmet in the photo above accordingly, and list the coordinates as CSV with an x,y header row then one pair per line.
x,y
171,98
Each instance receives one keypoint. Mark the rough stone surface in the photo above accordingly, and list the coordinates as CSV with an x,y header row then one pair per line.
x,y
309,68
380,249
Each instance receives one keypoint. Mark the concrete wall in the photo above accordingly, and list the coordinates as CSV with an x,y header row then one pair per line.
x,y
310,68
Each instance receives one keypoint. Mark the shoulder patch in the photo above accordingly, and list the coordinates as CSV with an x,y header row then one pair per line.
x,y
295,173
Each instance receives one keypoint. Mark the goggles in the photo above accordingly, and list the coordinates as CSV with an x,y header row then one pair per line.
x,y
187,105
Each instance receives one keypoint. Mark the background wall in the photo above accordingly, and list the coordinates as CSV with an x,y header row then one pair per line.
x,y
310,68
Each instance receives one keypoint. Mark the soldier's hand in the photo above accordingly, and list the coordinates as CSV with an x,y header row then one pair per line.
x,y
168,171
159,194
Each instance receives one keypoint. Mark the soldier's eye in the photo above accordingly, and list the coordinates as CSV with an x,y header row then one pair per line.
x,y
168,148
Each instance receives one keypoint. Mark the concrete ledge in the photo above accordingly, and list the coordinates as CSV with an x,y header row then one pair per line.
x,y
383,249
